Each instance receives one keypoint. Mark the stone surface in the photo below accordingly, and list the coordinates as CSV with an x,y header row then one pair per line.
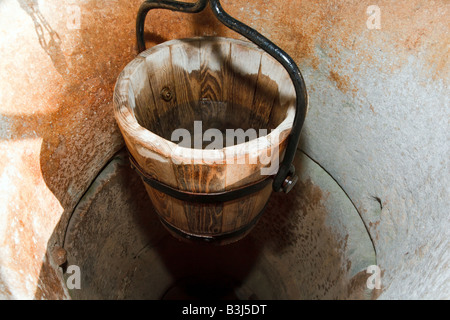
x,y
378,120
310,244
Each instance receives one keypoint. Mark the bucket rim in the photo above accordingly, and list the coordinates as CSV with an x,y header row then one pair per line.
x,y
151,141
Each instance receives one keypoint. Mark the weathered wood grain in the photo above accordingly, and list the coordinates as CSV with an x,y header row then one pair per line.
x,y
162,81
185,59
245,66
209,79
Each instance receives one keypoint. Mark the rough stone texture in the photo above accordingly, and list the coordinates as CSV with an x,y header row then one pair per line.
x,y
378,120
311,244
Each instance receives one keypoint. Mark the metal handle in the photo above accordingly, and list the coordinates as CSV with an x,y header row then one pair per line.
x,y
285,178
163,4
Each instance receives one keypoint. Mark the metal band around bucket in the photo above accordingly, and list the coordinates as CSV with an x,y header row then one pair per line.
x,y
215,197
285,178
214,238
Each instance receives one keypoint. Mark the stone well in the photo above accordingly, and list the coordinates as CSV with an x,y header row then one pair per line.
x,y
373,157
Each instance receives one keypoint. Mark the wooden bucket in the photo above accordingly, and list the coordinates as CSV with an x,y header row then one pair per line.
x,y
225,84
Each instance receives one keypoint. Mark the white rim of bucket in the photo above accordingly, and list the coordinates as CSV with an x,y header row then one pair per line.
x,y
149,140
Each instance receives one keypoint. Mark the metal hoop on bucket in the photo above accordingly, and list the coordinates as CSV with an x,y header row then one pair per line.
x,y
285,178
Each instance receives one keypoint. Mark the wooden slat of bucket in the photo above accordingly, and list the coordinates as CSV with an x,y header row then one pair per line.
x,y
145,111
170,209
122,99
246,162
245,65
216,77
241,212
286,99
162,80
205,219
246,169
244,210
200,176
268,77
238,213
185,59
266,94
262,198
145,146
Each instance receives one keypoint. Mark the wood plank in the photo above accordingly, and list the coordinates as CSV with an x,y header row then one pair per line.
x,y
186,69
215,78
200,178
266,94
145,110
161,77
204,219
237,213
171,209
286,97
245,65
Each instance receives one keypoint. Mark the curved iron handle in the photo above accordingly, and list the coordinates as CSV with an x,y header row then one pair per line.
x,y
163,4
285,178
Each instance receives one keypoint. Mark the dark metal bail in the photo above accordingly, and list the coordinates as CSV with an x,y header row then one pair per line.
x,y
285,179
178,6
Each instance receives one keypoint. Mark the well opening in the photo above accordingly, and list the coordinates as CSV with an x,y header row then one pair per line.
x,y
311,245
367,126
